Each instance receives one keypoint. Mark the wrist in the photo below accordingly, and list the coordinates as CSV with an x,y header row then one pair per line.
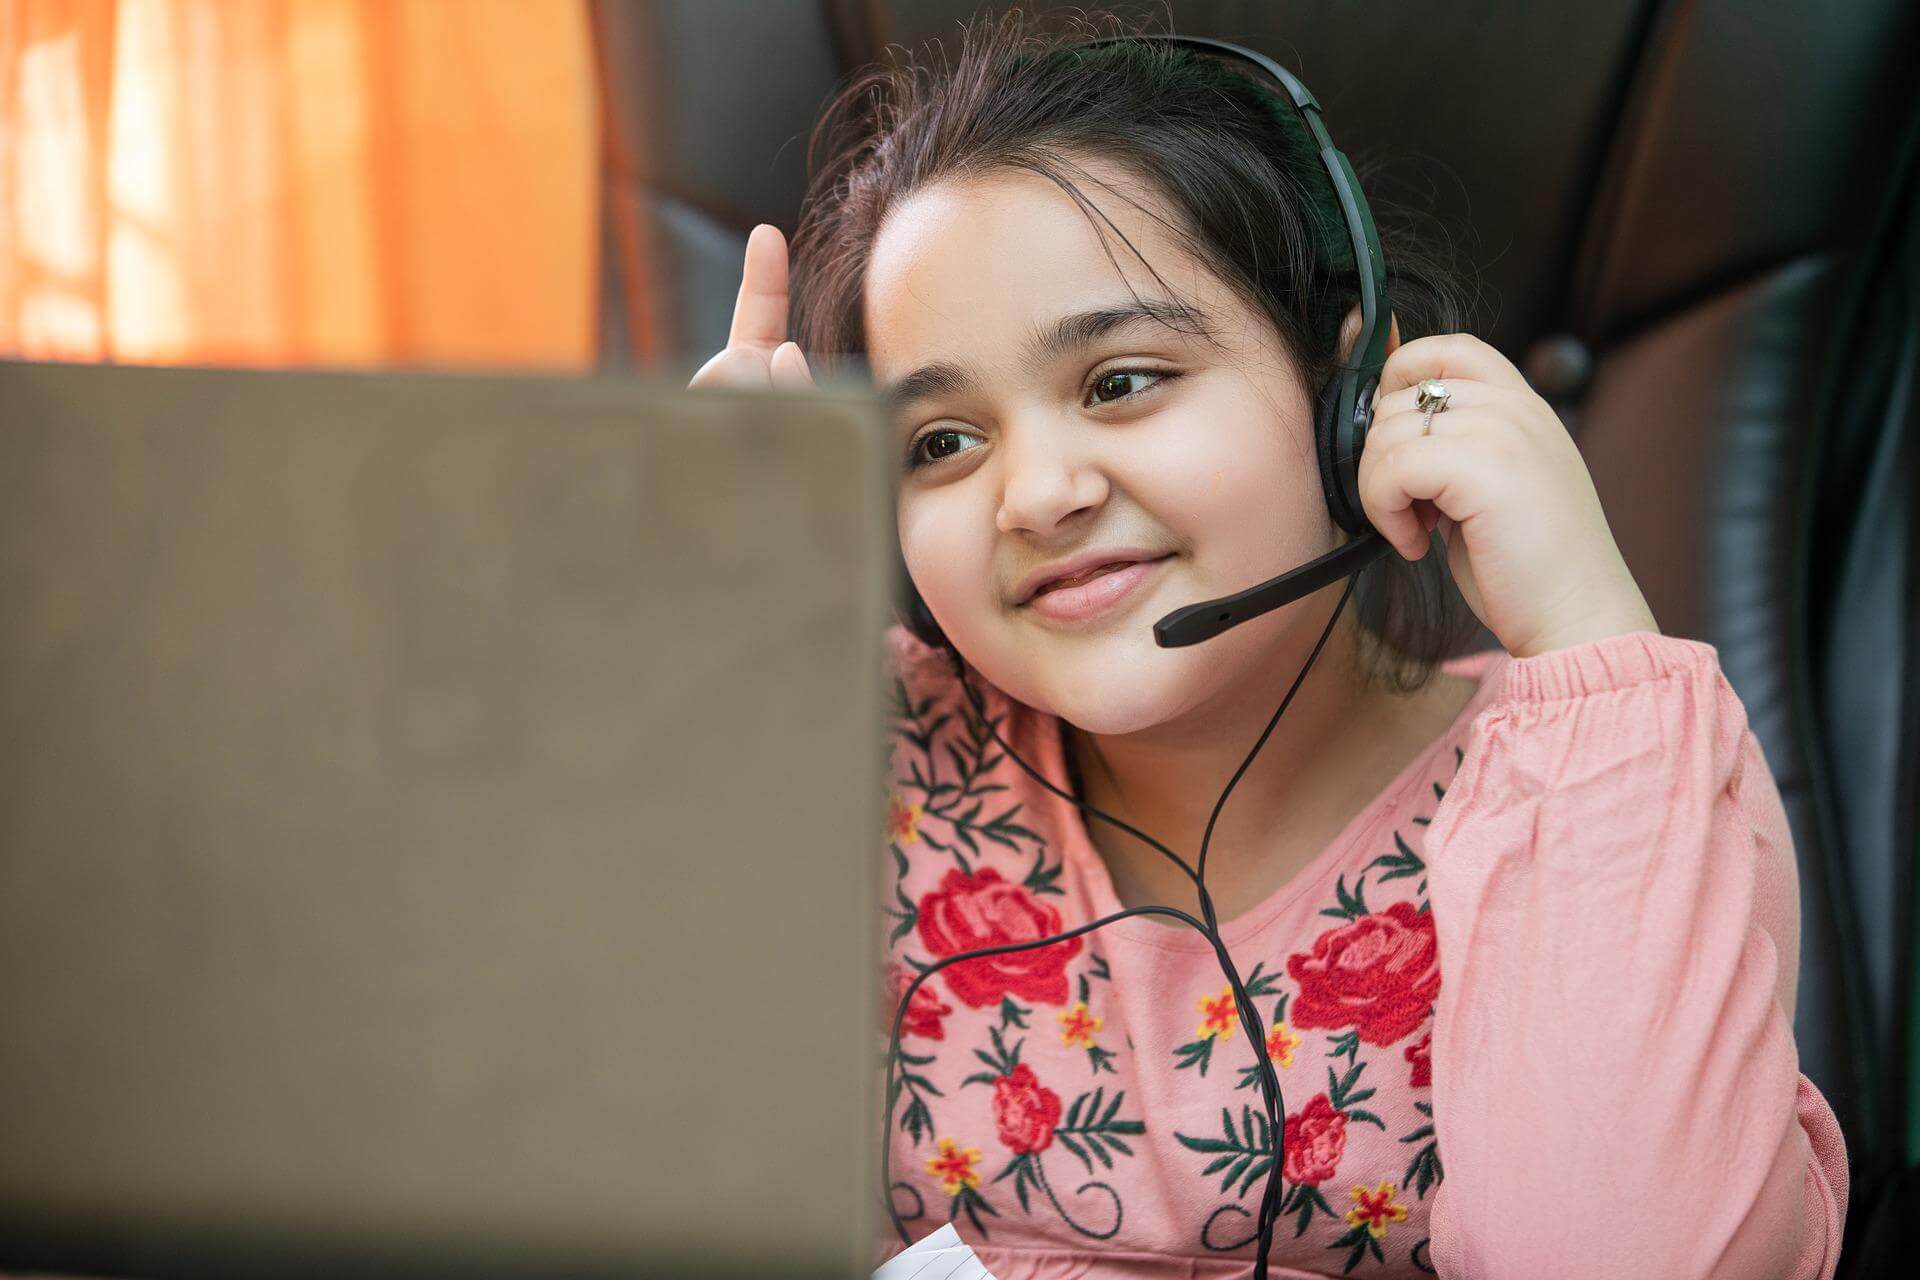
x,y
1599,626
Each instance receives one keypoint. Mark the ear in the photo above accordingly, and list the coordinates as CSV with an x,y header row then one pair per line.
x,y
1350,333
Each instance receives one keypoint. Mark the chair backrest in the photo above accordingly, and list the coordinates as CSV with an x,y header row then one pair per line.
x,y
1687,217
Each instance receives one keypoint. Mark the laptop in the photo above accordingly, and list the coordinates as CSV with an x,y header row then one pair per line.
x,y
438,824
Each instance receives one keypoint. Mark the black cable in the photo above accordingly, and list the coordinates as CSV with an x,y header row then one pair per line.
x,y
1273,1103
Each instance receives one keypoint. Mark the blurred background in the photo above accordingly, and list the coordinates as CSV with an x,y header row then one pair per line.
x,y
1692,224
299,182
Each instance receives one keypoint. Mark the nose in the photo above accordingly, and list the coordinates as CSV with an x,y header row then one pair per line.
x,y
1050,475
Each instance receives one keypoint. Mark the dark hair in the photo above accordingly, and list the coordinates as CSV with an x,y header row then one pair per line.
x,y
1215,141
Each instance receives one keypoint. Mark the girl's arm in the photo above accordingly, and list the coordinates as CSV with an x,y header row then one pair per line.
x,y
1616,1089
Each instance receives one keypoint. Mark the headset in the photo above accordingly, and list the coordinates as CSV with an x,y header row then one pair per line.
x,y
1342,415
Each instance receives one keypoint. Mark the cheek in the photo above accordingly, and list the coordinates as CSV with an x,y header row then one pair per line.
x,y
948,550
1240,489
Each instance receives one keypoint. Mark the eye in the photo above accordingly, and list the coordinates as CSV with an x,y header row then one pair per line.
x,y
916,459
1112,384
1115,378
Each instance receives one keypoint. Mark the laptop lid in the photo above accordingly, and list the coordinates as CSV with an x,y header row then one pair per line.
x,y
437,823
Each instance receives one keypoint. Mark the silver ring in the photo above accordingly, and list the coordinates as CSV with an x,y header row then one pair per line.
x,y
1433,396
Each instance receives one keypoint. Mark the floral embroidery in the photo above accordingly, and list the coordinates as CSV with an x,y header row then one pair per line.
x,y
1025,1111
1425,1169
974,755
903,820
954,1166
1316,1139
1077,1026
1027,1115
1222,1015
1378,973
1245,1154
1375,1209
1368,1221
1098,1059
1403,862
1370,979
984,910
1219,1011
1419,1053
1369,1217
924,1011
1281,1042
917,1119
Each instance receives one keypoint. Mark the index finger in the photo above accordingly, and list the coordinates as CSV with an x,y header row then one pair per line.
x,y
760,312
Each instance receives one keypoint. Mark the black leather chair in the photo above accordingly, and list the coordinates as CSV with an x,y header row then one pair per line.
x,y
1697,228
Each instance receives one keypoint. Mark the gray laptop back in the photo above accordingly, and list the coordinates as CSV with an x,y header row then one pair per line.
x,y
437,824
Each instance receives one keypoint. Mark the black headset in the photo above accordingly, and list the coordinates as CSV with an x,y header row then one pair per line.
x,y
1343,410
1343,413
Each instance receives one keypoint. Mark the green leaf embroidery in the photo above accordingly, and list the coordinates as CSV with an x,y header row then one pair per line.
x,y
1352,905
1339,1087
1195,1052
1424,1171
1361,1242
1405,862
1304,1199
1245,1154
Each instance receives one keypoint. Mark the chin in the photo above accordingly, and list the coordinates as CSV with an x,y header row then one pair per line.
x,y
1121,686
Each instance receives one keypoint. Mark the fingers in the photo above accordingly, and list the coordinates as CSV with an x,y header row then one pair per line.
x,y
734,367
1409,482
760,311
1447,355
1462,393
789,368
758,355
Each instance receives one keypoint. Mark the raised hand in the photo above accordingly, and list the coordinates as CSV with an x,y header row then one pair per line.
x,y
1527,542
758,354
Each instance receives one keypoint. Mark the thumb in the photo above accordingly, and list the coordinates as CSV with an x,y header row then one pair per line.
x,y
790,370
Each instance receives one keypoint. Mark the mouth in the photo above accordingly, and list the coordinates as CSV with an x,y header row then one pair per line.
x,y
1093,593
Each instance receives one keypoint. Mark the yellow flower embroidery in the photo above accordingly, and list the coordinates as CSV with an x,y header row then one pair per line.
x,y
1375,1209
1220,1014
954,1166
1077,1026
903,820
1281,1042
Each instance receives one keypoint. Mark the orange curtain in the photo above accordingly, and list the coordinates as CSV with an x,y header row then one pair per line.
x,y
299,182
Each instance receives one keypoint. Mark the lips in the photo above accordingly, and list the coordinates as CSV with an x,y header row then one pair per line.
x,y
1094,592
1077,579
1085,568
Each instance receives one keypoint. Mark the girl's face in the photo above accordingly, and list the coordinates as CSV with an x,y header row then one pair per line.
x,y
1037,440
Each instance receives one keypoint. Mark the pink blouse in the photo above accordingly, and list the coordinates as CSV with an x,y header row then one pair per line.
x,y
1530,1011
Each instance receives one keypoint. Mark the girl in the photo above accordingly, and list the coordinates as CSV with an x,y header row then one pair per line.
x,y
1518,928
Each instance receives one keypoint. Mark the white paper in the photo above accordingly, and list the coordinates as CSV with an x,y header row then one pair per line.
x,y
940,1256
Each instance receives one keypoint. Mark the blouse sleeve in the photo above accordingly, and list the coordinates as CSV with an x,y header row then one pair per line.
x,y
1616,1089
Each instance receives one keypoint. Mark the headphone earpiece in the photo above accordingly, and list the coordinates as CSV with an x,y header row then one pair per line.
x,y
1340,480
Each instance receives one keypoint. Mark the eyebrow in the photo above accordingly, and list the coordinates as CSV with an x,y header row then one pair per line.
x,y
1062,338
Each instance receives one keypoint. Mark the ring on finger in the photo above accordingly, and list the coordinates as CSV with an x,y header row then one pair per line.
x,y
1433,397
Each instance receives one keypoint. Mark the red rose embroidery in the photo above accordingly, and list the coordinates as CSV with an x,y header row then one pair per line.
x,y
923,1012
983,910
1378,973
1316,1138
1025,1110
1419,1054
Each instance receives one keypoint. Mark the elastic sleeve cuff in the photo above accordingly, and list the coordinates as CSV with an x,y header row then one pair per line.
x,y
1612,662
